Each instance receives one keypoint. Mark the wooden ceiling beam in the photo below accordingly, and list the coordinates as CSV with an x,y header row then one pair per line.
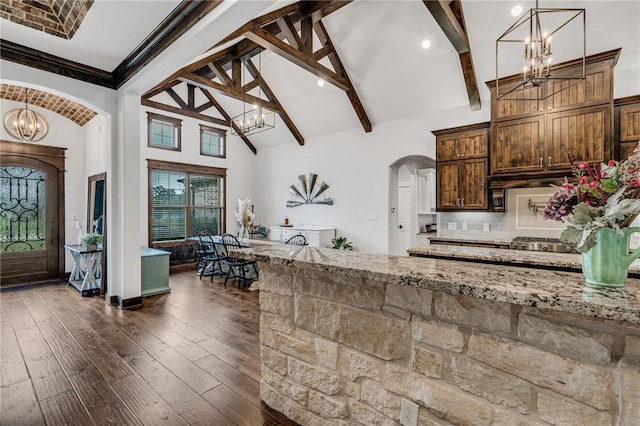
x,y
220,73
323,36
229,120
289,31
185,112
232,92
255,73
177,99
204,106
274,44
450,18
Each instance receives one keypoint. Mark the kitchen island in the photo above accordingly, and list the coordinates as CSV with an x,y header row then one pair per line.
x,y
346,335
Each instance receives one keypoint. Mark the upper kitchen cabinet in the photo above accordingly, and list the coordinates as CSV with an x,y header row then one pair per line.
x,y
627,117
534,137
461,167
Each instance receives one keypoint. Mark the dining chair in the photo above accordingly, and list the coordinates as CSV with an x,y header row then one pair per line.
x,y
212,259
297,240
237,267
203,248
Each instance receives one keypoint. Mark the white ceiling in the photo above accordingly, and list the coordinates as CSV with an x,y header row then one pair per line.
x,y
379,42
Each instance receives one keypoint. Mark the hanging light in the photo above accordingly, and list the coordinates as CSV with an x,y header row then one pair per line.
x,y
25,124
254,119
533,32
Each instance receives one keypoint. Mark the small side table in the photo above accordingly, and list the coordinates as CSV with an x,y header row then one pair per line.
x,y
87,266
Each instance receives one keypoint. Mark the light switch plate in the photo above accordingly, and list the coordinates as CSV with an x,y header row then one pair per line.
x,y
452,226
486,227
409,413
464,226
373,216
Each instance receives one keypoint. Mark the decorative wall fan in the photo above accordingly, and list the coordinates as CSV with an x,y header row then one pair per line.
x,y
307,191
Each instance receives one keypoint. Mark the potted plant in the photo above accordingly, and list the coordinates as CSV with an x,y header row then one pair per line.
x,y
341,243
91,240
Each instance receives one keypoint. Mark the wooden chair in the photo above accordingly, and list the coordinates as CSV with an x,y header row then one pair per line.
x,y
297,240
211,257
237,267
202,247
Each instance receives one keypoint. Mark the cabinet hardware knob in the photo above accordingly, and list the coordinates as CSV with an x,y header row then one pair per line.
x,y
462,202
540,162
549,163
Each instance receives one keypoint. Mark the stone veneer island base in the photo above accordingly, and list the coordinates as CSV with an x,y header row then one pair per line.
x,y
345,336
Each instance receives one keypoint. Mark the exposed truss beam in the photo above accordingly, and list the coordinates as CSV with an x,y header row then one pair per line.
x,y
448,14
255,73
228,118
185,112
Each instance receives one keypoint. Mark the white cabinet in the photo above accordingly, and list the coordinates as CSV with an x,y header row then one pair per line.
x,y
426,191
317,236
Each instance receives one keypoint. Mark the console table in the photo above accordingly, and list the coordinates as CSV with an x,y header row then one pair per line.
x,y
85,275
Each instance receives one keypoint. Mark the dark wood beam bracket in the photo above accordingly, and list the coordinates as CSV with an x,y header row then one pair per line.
x,y
450,18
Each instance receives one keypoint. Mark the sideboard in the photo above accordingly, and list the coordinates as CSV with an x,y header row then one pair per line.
x,y
317,236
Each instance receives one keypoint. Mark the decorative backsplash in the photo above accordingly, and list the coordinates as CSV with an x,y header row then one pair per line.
x,y
522,218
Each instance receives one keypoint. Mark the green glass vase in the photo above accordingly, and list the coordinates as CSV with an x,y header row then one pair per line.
x,y
606,264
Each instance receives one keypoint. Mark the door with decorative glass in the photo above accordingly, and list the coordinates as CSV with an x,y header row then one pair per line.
x,y
29,222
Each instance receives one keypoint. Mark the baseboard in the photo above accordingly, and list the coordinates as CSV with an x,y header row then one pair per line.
x,y
133,302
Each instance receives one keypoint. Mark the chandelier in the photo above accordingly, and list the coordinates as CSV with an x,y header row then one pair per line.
x,y
533,33
254,119
25,124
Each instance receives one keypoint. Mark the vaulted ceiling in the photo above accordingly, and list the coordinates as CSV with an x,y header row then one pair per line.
x,y
378,44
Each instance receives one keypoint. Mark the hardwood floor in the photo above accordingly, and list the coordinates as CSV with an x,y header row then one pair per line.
x,y
188,357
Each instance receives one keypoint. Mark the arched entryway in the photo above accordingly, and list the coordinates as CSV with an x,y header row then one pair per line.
x,y
404,187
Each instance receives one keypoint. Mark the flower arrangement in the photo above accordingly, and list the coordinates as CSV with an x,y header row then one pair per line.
x,y
244,216
603,196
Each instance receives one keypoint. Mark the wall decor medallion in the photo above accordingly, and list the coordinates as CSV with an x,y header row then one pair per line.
x,y
308,191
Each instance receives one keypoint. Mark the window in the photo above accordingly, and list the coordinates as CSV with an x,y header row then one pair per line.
x,y
164,132
212,141
184,199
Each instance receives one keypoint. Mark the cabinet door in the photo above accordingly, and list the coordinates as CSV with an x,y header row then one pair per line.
x,y
473,144
595,89
585,133
446,148
630,123
275,234
447,179
517,145
626,149
473,184
517,104
313,238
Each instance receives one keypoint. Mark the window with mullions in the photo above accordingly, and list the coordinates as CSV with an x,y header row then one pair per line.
x,y
212,141
185,199
164,132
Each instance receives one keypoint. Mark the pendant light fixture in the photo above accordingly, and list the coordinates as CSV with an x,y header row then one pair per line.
x,y
25,124
254,118
531,36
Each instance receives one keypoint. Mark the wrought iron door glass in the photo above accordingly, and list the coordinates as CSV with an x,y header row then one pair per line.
x,y
22,209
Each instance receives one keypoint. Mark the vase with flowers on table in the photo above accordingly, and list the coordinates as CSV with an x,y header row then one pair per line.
x,y
599,207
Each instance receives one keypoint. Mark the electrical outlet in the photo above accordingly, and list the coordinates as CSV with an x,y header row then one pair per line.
x,y
452,226
486,227
464,226
408,413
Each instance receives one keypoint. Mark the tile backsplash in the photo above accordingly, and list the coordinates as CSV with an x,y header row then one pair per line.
x,y
523,217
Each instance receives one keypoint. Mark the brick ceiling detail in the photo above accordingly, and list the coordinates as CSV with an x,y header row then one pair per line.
x,y
61,18
75,112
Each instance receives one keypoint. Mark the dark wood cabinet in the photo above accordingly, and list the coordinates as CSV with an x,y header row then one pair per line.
x,y
627,127
533,137
462,167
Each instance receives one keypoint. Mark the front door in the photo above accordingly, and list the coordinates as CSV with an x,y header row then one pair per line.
x,y
29,220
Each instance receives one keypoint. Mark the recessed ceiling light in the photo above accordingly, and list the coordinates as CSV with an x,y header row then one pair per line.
x,y
516,11
426,44
320,82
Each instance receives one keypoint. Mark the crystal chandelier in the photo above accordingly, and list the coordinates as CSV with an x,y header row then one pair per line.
x,y
25,124
255,119
533,32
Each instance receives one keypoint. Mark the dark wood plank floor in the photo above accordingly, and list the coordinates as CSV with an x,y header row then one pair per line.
x,y
188,357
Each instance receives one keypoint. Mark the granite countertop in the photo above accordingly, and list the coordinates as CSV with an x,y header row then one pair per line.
x,y
544,289
503,256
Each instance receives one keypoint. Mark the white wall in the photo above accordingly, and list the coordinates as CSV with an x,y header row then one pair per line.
x,y
63,133
239,162
355,165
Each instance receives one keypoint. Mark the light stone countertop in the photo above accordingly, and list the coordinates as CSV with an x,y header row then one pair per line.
x,y
470,241
544,289
505,256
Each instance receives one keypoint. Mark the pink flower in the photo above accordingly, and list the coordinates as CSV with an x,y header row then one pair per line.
x,y
593,184
612,163
568,185
583,179
583,165
634,183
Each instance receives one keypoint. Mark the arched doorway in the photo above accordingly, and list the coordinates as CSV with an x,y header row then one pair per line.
x,y
31,213
403,195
